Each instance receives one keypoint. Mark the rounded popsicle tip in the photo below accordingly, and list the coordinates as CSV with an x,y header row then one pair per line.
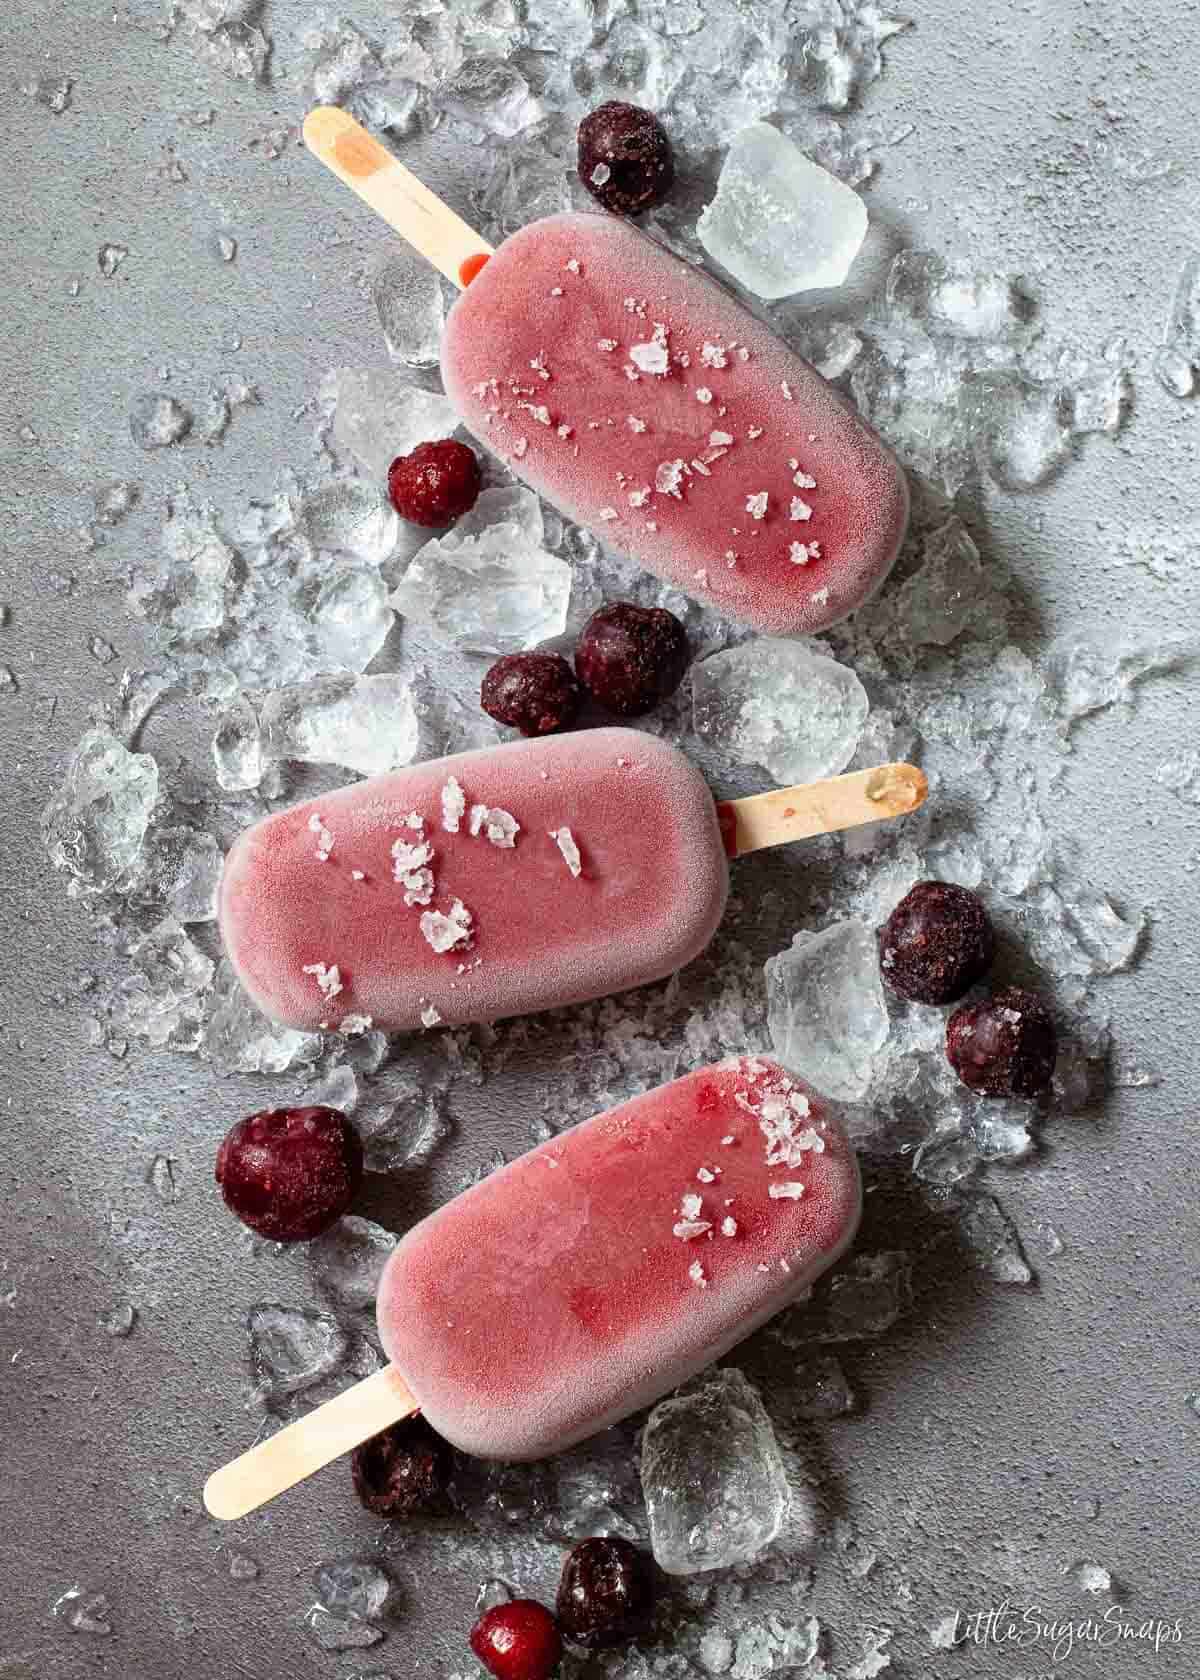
x,y
897,788
322,126
225,1495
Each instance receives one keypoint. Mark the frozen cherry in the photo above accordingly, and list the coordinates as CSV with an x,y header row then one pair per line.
x,y
625,158
936,943
1003,1046
435,484
631,657
404,1471
517,1641
288,1173
536,693
606,1593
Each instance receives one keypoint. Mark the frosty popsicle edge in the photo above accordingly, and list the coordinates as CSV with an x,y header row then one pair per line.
x,y
652,1238
644,401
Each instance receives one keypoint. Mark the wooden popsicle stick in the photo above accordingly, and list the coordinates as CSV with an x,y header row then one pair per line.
x,y
310,1443
393,192
797,813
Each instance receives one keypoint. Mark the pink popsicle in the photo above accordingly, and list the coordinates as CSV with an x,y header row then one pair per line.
x,y
641,399
365,882
597,1272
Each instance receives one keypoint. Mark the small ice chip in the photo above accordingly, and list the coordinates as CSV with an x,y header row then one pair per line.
x,y
803,481
690,1205
706,1175
713,355
729,1226
756,505
668,477
639,498
600,175
688,1229
799,509
606,344
703,394
720,440
789,1192
608,513
634,424
696,1273
502,828
350,1026
454,804
565,841
652,357
445,932
329,981
799,554
430,1016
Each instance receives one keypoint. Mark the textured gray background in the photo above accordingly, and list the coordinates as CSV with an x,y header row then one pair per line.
x,y
994,1419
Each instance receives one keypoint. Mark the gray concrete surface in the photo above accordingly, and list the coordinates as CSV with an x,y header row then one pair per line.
x,y
1005,1435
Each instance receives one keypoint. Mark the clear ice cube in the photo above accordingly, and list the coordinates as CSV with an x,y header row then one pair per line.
x,y
237,748
367,724
163,999
780,223
491,94
826,1008
953,299
350,517
157,420
356,1588
992,1241
240,1039
180,869
292,1350
712,1474
776,703
185,592
95,825
84,1612
489,593
950,593
407,294
380,415
348,1260
1024,429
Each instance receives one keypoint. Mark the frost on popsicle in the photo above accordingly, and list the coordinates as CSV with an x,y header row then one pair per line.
x,y
780,223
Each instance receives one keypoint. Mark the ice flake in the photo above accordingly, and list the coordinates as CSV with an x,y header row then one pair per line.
x,y
606,344
454,804
688,1229
652,357
444,933
799,554
703,394
729,1226
329,980
639,498
720,440
804,481
799,509
500,827
353,1026
607,513
565,841
791,1191
756,505
713,355
430,1016
634,424
696,1273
